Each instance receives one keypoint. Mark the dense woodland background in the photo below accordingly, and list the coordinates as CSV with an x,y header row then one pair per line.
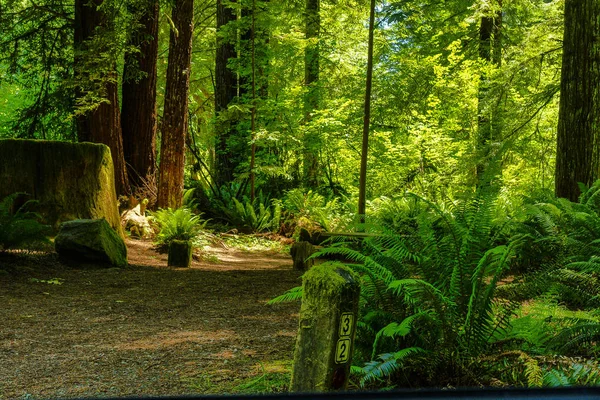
x,y
455,84
479,259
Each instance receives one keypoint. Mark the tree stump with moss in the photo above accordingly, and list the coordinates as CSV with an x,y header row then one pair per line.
x,y
325,340
70,180
300,251
180,254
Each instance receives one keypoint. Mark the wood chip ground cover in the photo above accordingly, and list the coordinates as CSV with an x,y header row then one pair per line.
x,y
143,330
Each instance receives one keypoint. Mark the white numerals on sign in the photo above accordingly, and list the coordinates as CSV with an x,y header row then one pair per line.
x,y
346,324
342,352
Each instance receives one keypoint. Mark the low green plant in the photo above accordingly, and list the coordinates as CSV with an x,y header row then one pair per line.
x,y
19,226
256,216
561,252
311,211
429,313
178,224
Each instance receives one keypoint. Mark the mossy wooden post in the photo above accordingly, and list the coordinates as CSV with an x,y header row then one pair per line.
x,y
300,251
180,254
325,340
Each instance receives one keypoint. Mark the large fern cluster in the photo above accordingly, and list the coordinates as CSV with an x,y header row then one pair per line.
x,y
19,226
253,216
561,255
429,301
311,211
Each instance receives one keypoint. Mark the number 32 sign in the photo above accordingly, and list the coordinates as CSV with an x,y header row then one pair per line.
x,y
342,352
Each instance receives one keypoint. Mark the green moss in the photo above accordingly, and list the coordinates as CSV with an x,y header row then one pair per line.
x,y
70,180
326,278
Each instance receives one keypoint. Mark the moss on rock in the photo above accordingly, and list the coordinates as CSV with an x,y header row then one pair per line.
x,y
90,241
70,180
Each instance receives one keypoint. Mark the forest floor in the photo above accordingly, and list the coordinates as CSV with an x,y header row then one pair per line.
x,y
147,329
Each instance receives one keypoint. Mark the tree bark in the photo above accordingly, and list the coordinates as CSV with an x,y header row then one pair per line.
x,y
490,51
577,152
138,115
103,123
311,99
175,117
362,186
225,92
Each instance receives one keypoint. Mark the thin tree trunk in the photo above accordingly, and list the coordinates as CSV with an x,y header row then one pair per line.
x,y
578,147
253,116
175,117
103,123
225,92
311,100
490,51
138,116
362,186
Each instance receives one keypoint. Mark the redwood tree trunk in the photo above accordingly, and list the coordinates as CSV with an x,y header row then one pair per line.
x,y
102,124
577,152
311,80
225,92
175,117
138,116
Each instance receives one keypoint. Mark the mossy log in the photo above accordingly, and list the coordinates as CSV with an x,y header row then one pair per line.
x,y
180,254
325,340
70,180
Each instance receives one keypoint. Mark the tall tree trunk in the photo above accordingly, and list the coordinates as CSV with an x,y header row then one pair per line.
x,y
362,186
225,92
578,146
253,115
138,116
103,123
311,100
490,51
175,117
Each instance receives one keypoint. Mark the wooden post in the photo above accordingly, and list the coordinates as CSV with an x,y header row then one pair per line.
x,y
180,254
300,251
328,317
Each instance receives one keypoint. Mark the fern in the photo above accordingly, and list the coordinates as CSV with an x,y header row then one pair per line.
x,y
253,216
20,227
178,224
294,294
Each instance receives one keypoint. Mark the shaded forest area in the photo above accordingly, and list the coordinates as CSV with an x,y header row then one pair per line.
x,y
457,139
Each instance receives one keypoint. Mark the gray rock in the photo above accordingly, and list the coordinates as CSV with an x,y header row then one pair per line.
x,y
90,240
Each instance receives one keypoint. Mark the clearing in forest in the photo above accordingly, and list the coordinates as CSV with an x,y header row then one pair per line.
x,y
145,329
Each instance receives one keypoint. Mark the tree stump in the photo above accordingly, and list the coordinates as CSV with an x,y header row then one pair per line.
x,y
325,340
300,251
180,254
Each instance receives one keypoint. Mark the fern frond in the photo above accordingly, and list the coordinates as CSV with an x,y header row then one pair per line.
x,y
294,294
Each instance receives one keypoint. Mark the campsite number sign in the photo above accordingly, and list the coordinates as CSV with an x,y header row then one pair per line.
x,y
342,352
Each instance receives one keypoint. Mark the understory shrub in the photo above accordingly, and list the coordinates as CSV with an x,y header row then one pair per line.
x,y
260,215
313,212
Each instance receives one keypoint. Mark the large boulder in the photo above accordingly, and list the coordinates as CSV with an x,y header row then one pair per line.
x,y
70,180
91,241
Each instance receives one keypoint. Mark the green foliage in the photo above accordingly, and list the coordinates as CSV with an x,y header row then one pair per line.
x,y
560,255
19,226
256,216
429,304
311,211
179,224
